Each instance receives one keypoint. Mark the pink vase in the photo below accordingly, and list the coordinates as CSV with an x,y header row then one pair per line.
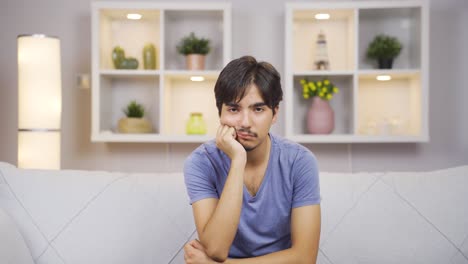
x,y
320,117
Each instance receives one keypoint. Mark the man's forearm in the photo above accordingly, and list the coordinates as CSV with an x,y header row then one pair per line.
x,y
220,230
290,256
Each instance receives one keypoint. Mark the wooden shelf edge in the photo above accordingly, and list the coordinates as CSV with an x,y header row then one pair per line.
x,y
357,139
149,138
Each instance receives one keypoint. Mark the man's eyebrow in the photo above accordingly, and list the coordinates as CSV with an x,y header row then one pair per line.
x,y
260,104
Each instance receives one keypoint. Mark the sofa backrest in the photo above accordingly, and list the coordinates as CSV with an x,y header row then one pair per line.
x,y
76,216
91,217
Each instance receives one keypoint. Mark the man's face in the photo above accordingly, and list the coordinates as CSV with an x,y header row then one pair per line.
x,y
251,118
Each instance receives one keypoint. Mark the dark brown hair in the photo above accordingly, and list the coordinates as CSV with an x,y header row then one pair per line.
x,y
239,74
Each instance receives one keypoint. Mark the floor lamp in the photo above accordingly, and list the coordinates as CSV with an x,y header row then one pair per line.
x,y
39,102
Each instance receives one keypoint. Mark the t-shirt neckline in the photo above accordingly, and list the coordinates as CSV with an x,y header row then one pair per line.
x,y
267,174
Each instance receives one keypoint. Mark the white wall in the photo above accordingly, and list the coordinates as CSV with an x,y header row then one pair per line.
x,y
257,30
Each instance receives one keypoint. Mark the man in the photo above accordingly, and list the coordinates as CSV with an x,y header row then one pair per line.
x,y
255,196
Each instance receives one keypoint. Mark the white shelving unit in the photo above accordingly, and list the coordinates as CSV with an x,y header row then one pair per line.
x,y
366,110
167,92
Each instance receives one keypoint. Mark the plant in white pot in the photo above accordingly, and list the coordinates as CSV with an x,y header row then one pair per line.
x,y
134,122
384,49
194,49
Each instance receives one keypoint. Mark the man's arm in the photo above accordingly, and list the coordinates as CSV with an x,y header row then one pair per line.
x,y
305,237
217,221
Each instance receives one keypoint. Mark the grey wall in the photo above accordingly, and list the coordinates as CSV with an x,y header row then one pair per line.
x,y
258,30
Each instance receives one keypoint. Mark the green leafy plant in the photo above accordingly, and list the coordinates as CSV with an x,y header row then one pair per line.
x,y
191,44
323,89
384,47
134,109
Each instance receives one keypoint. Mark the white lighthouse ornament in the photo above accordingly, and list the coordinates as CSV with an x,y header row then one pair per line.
x,y
321,54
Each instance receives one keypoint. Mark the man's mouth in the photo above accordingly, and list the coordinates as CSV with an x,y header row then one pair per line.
x,y
244,134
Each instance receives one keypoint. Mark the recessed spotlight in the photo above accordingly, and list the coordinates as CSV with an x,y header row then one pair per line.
x,y
384,77
322,16
134,16
197,78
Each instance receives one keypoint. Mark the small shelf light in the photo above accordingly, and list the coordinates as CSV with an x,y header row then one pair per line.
x,y
322,16
383,77
134,16
197,78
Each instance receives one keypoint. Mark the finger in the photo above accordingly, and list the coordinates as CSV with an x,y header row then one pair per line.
x,y
233,132
230,133
195,244
187,246
198,245
220,128
224,130
188,249
190,253
227,130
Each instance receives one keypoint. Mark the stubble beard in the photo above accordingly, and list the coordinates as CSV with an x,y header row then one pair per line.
x,y
248,149
255,135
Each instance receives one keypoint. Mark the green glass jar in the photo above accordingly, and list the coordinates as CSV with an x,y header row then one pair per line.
x,y
118,55
149,57
196,125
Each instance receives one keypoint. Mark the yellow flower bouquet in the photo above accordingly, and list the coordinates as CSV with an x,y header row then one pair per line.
x,y
323,89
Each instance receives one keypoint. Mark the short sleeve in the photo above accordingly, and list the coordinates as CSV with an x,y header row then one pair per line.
x,y
306,185
199,177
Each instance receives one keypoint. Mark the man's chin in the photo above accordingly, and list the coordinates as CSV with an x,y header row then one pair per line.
x,y
248,148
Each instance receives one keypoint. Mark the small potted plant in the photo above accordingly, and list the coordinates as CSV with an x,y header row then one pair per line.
x,y
194,49
384,48
134,122
320,116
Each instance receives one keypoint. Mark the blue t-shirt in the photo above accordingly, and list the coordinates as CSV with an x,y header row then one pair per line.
x,y
291,180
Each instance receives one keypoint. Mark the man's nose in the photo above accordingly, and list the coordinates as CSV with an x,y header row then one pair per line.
x,y
245,119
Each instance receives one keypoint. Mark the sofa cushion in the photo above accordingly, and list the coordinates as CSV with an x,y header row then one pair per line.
x,y
12,204
13,249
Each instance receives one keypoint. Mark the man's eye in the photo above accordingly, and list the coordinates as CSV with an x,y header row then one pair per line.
x,y
232,109
259,109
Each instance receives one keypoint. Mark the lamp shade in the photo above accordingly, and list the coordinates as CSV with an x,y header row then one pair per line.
x,y
39,149
40,101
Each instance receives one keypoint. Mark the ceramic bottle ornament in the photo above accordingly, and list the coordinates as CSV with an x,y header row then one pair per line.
x,y
149,57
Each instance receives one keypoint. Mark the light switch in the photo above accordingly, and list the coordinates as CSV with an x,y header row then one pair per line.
x,y
83,81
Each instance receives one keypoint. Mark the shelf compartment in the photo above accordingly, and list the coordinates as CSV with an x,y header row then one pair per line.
x,y
340,34
108,136
389,108
205,24
118,91
183,96
341,103
132,35
403,23
324,73
346,138
126,73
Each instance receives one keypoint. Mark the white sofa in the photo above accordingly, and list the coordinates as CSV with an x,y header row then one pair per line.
x,y
100,217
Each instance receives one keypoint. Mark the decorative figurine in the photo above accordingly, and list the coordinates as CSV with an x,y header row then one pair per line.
x,y
321,53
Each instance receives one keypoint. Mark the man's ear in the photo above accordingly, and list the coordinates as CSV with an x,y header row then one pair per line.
x,y
275,116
